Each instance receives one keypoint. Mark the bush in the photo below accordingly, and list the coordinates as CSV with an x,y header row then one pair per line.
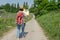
x,y
51,6
42,12
5,23
59,4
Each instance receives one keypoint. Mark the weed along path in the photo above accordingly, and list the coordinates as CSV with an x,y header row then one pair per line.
x,y
32,32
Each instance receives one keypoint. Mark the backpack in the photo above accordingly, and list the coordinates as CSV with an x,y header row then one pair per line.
x,y
20,18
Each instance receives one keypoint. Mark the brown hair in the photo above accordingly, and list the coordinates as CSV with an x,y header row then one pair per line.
x,y
21,9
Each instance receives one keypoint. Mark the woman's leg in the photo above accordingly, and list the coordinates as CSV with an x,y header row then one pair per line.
x,y
18,30
23,27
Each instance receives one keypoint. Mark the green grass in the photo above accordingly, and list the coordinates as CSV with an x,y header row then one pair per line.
x,y
51,24
5,23
8,21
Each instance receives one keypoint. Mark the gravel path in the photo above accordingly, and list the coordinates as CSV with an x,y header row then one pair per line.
x,y
32,32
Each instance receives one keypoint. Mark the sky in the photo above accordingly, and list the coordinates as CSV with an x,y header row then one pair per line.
x,y
51,0
30,2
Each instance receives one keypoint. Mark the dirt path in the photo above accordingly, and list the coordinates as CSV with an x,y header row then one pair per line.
x,y
32,32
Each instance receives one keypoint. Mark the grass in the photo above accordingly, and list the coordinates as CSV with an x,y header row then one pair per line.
x,y
7,22
51,24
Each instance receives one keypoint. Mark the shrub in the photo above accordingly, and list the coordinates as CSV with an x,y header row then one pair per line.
x,y
59,4
42,12
51,6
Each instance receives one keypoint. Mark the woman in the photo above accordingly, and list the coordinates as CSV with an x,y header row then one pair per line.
x,y
20,21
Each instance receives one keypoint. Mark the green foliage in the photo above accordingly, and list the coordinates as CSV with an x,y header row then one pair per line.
x,y
13,8
40,5
1,7
7,22
31,10
51,24
25,5
51,6
59,4
42,12
9,8
18,7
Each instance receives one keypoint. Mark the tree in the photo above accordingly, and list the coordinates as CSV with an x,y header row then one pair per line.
x,y
58,0
41,6
18,6
7,7
14,5
2,6
25,5
59,3
13,8
31,9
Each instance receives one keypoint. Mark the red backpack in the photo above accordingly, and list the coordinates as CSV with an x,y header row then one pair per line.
x,y
20,17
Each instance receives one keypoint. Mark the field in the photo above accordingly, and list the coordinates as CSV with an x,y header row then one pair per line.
x,y
51,24
8,21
